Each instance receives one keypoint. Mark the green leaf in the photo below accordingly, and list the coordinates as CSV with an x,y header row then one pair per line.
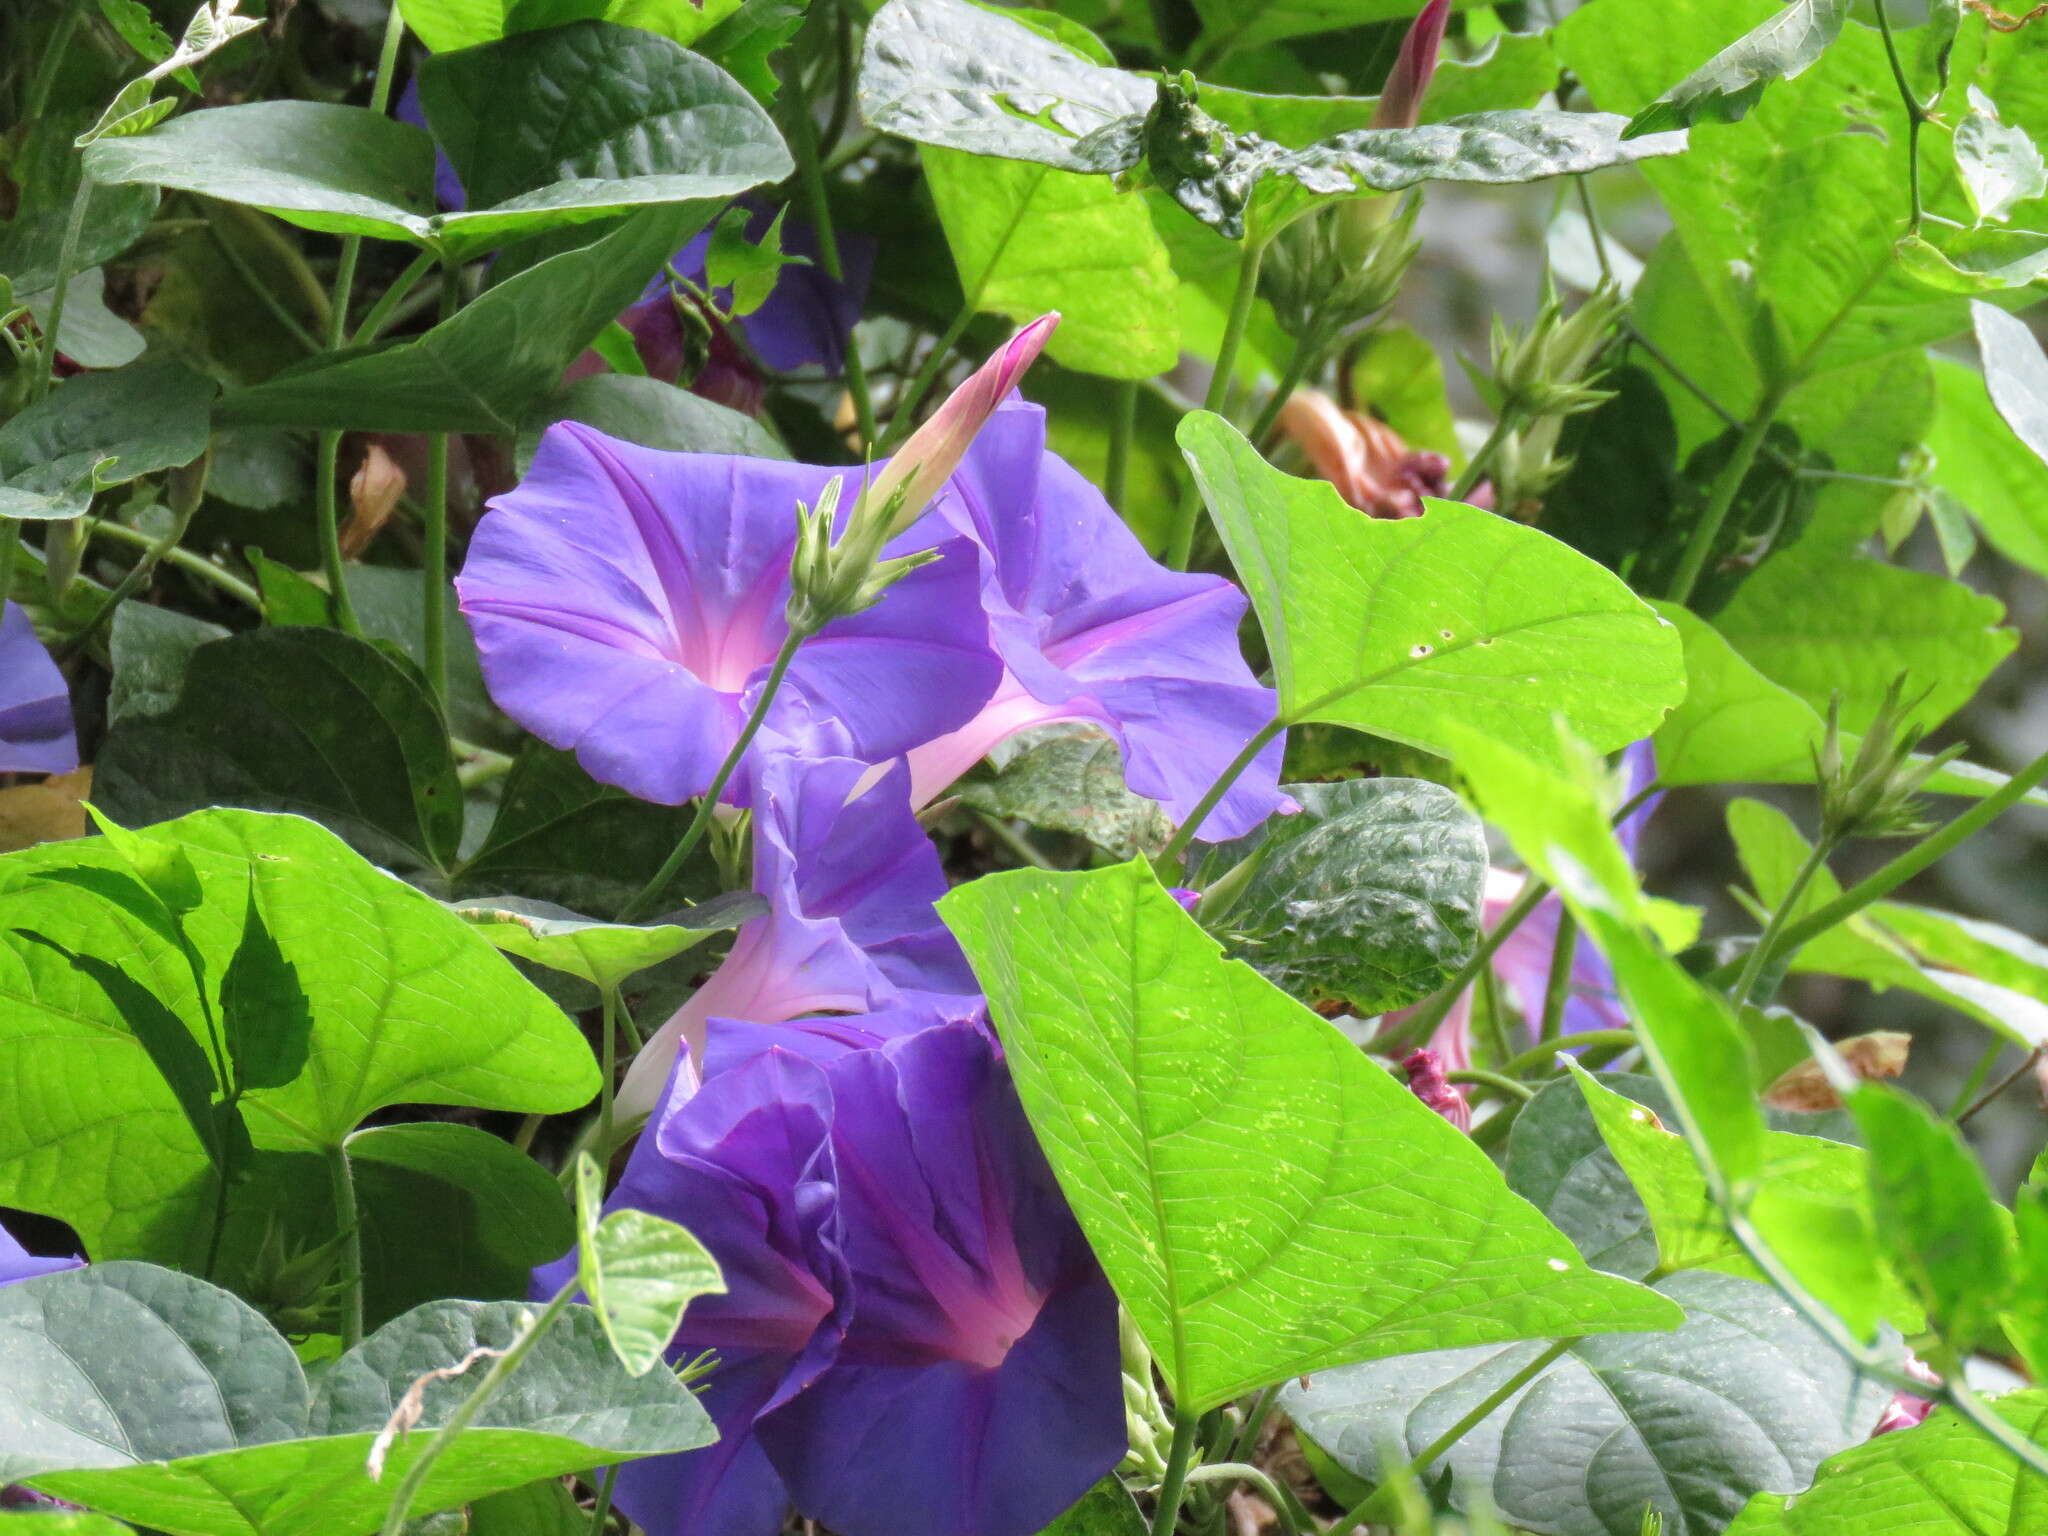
x,y
1028,239
264,1013
338,169
1725,87
603,954
2000,166
1371,895
45,168
539,1509
1818,624
59,1522
409,1006
1107,1509
562,837
449,24
1406,628
150,648
486,369
1946,1478
2016,374
586,120
89,333
750,270
744,42
1151,1068
101,429
639,1271
1936,1220
305,720
957,75
1979,461
1070,778
1973,261
160,1399
1743,1396
653,414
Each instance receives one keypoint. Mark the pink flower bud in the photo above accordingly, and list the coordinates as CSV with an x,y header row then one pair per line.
x,y
935,449
1400,103
1426,1079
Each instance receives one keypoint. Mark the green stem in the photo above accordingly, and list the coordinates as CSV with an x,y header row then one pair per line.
x,y
1380,1498
708,806
609,1086
1492,1026
1247,1441
1903,868
1422,1023
1684,380
500,1372
1123,424
54,48
130,583
1592,218
1475,468
1299,361
1915,115
434,524
349,1217
67,253
1727,486
1558,990
1180,545
1178,1454
381,312
352,245
2026,1065
903,414
1185,832
1745,984
1480,1077
601,1511
1980,1074
1284,1503
1591,1039
1000,829
181,559
10,546
253,281
804,144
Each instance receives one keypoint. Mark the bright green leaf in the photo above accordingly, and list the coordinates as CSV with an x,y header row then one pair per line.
x,y
1408,627
1979,461
1152,1069
265,1017
639,1271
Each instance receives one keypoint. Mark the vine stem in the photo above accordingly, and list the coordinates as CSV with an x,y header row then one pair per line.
x,y
1915,114
327,460
67,253
1178,1455
2026,1065
610,996
1185,832
1475,467
178,556
1122,425
1541,1055
1479,1077
1727,486
434,555
349,1216
500,1372
1557,990
601,1511
708,806
1376,1501
1285,1505
1901,869
1420,1024
1180,543
1753,968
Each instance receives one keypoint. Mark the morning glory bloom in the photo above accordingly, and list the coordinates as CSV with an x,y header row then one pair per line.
x,y
850,879
960,1375
1092,628
745,1162
629,602
36,734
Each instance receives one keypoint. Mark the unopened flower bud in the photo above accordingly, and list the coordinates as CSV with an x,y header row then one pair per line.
x,y
829,580
1426,1079
1333,269
1400,104
927,461
1872,794
1545,369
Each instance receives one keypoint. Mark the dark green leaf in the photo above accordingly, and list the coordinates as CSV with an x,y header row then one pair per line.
x,y
585,120
1151,1068
1370,896
311,721
151,648
264,1013
1744,1396
1728,85
45,169
486,369
101,429
339,169
653,414
1070,779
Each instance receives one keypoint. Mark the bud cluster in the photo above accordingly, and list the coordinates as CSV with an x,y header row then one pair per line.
x,y
831,579
1540,376
1870,794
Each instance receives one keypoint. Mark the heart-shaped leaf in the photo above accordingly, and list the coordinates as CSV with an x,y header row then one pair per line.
x,y
639,1271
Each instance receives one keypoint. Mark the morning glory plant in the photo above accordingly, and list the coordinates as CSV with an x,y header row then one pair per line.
x,y
972,867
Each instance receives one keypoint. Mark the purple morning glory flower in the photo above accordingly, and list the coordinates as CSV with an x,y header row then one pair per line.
x,y
745,1162
850,879
628,603
1092,628
36,735
807,318
912,1307
17,1263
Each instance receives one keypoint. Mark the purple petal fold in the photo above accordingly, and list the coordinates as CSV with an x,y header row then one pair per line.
x,y
17,1263
36,734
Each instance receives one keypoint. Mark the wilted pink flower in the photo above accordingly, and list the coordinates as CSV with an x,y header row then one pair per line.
x,y
1400,104
1426,1078
1908,1409
1365,459
927,461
